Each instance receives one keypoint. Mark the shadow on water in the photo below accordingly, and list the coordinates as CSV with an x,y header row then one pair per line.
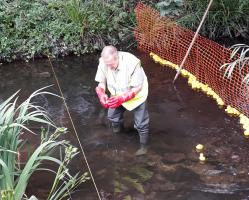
x,y
180,119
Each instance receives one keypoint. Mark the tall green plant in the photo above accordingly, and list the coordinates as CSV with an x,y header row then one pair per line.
x,y
226,18
240,64
74,11
78,12
14,120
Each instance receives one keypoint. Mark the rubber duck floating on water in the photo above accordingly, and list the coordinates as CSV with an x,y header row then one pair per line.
x,y
205,88
232,111
246,133
202,158
244,121
199,147
192,80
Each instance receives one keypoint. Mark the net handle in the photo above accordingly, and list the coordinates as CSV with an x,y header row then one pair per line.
x,y
193,41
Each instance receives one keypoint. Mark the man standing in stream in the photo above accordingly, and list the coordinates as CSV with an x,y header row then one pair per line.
x,y
124,77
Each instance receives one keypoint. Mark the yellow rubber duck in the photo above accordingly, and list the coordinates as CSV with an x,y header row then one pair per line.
x,y
202,158
199,147
232,111
244,121
220,102
164,62
246,126
195,84
246,133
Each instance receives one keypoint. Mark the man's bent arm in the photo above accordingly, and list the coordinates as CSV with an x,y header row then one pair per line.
x,y
102,85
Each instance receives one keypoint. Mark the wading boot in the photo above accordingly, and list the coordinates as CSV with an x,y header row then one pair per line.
x,y
117,127
143,146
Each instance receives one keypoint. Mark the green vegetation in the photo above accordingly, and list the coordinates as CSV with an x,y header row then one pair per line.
x,y
226,18
171,8
14,177
32,28
131,178
240,64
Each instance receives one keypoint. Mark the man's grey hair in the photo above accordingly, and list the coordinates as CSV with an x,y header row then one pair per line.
x,y
109,50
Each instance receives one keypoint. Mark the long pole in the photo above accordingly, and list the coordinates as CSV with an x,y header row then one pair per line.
x,y
193,41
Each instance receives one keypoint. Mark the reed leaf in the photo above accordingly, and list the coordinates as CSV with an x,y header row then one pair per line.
x,y
240,63
14,119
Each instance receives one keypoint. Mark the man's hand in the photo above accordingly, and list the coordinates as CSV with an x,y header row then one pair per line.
x,y
116,101
103,98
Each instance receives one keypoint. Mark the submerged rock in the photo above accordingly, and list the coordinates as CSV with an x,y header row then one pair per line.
x,y
174,157
160,177
42,75
235,158
166,186
128,197
139,197
101,172
133,183
219,188
213,172
166,168
152,195
143,173
232,170
105,195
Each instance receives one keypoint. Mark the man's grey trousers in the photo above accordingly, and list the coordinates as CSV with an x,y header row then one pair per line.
x,y
141,119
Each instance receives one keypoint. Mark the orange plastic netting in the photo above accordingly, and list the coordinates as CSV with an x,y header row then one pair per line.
x,y
170,41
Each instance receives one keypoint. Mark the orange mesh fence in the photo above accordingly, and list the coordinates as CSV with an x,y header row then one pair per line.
x,y
170,41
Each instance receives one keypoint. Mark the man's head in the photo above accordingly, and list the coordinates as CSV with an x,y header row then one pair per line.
x,y
110,56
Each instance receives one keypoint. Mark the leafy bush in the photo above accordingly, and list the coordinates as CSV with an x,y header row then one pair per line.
x,y
171,8
226,18
32,28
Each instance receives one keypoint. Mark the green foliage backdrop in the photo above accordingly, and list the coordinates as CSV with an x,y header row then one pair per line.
x,y
31,28
226,18
34,28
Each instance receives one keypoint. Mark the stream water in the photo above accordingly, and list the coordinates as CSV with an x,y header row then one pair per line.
x,y
180,119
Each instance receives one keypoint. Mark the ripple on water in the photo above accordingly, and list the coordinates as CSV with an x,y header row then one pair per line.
x,y
220,188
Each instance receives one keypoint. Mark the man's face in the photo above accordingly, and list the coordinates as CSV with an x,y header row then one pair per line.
x,y
111,60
